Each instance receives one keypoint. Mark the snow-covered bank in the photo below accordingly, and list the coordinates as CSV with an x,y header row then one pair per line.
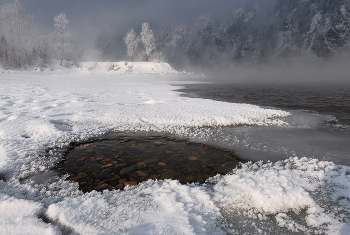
x,y
124,67
102,68
39,111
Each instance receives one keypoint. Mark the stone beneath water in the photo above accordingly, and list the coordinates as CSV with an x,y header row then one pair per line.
x,y
2,178
122,161
127,170
142,173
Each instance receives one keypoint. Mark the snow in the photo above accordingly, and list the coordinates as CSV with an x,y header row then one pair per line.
x,y
3,157
125,67
151,208
45,109
19,216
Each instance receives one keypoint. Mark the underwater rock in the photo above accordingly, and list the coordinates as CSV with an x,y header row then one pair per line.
x,y
113,163
2,178
127,170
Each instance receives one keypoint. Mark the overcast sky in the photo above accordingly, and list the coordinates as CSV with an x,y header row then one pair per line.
x,y
102,16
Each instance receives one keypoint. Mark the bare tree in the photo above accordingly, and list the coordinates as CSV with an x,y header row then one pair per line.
x,y
17,28
61,36
147,39
132,42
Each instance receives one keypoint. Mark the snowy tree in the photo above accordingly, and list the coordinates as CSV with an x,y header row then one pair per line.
x,y
17,29
43,49
61,36
4,54
147,39
132,42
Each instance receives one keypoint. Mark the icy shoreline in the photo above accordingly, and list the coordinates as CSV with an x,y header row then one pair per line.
x,y
51,109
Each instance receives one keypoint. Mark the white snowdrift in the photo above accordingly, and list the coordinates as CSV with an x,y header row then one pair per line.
x,y
151,208
119,68
18,216
124,67
39,110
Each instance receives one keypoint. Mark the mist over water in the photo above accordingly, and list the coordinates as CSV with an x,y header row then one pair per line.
x,y
319,119
330,99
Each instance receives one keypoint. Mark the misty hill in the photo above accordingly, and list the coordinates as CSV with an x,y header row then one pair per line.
x,y
252,31
256,32
319,29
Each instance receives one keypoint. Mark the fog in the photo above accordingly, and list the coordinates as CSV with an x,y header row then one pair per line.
x,y
287,71
227,47
90,17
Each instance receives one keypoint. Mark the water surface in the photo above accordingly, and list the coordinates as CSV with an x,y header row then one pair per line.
x,y
325,99
319,120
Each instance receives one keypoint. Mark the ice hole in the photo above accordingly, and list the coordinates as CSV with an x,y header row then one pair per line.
x,y
117,162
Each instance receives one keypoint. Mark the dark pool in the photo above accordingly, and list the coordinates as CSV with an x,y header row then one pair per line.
x,y
117,162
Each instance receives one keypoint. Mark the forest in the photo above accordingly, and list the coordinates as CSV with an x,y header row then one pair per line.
x,y
254,33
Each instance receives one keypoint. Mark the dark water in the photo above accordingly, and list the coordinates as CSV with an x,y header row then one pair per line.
x,y
322,140
324,99
116,162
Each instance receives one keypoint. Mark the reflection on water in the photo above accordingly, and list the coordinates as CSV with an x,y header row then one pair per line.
x,y
114,163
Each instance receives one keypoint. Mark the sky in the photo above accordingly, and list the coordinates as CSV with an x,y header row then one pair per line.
x,y
104,16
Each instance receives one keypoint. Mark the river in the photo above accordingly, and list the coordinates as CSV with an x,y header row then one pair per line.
x,y
319,121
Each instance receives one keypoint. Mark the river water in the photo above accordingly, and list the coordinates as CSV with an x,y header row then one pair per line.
x,y
320,120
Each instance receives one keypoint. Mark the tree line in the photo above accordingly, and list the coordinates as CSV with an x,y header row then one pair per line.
x,y
317,30
20,48
320,29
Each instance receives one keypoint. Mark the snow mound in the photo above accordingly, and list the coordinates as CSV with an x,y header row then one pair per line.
x,y
124,67
100,68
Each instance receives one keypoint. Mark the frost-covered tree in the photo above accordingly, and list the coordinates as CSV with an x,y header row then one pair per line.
x,y
4,52
17,30
43,49
61,36
132,42
148,39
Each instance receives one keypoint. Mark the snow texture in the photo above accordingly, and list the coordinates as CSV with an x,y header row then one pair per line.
x,y
44,110
18,216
